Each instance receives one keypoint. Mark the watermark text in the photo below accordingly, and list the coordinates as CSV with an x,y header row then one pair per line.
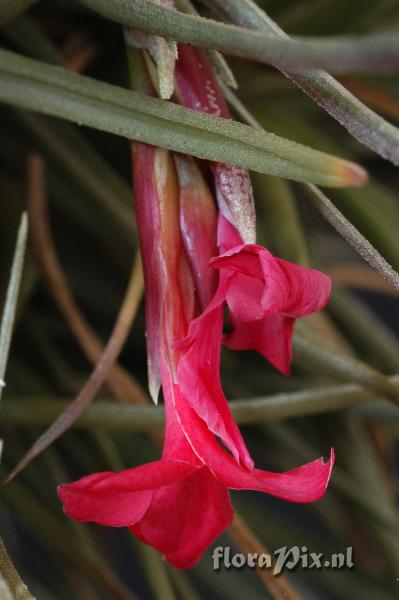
x,y
285,558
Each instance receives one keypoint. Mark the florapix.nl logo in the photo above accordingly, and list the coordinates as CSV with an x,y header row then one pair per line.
x,y
285,558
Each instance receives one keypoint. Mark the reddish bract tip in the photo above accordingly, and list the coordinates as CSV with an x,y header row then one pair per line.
x,y
354,175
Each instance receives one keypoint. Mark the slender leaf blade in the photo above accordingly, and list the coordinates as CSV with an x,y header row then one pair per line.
x,y
361,122
10,305
377,52
56,91
11,585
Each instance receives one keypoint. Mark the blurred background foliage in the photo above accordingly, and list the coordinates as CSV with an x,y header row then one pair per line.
x,y
85,175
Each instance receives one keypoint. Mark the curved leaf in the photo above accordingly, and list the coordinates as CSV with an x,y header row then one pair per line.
x,y
361,122
374,52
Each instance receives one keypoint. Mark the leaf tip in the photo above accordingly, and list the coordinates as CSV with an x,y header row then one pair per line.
x,y
354,175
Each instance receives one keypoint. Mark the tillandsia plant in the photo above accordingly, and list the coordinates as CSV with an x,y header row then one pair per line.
x,y
199,257
254,344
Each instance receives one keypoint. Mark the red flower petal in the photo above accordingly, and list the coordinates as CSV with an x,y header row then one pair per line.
x,y
309,289
228,235
185,517
199,379
265,295
288,288
270,336
254,262
304,484
244,295
120,499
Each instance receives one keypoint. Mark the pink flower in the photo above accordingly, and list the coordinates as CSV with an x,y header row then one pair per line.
x,y
174,504
264,295
180,503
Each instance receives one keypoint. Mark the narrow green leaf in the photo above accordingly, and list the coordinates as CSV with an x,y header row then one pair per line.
x,y
121,384
157,573
308,352
58,141
11,585
183,584
108,416
10,305
361,122
383,413
59,538
111,417
366,330
27,35
108,357
374,52
375,212
56,91
351,234
278,218
12,8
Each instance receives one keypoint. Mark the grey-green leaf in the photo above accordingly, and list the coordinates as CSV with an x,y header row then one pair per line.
x,y
377,52
10,306
361,122
56,91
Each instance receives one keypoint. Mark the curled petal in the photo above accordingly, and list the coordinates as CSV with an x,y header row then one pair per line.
x,y
304,484
185,517
120,499
265,295
199,379
288,288
309,289
251,262
253,270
